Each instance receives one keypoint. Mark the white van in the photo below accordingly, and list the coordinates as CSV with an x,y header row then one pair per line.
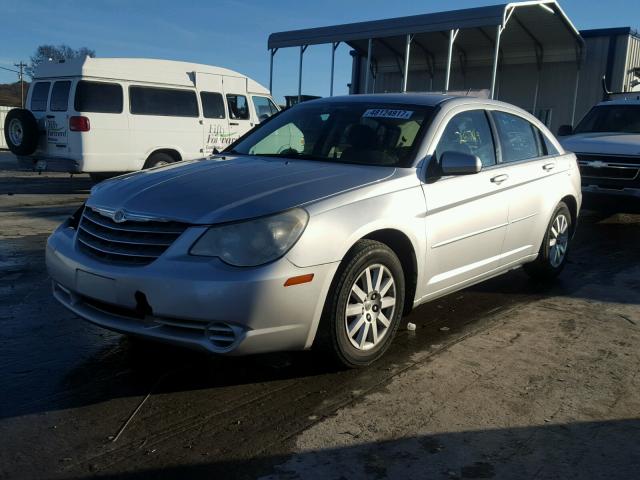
x,y
101,115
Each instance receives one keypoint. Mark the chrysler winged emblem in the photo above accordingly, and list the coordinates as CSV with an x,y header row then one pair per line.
x,y
119,216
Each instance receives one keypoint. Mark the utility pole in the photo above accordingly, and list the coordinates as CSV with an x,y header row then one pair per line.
x,y
21,66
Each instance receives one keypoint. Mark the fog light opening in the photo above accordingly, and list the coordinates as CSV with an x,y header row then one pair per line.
x,y
142,305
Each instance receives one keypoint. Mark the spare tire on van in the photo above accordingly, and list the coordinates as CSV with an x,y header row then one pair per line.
x,y
21,131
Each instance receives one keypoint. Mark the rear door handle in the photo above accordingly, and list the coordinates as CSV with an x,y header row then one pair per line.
x,y
499,178
549,166
234,123
51,116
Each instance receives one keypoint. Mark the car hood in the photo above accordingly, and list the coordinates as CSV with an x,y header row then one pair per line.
x,y
603,143
214,190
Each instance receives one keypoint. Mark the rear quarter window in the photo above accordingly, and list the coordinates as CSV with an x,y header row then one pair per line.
x,y
39,96
169,102
98,97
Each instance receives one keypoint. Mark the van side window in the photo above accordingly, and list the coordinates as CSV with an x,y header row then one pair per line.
x,y
264,107
238,107
519,139
168,102
60,96
212,105
98,97
39,96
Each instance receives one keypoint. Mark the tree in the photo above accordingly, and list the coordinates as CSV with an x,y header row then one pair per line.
x,y
55,53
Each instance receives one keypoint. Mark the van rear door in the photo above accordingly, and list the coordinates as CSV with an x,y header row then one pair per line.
x,y
57,119
214,115
38,101
235,90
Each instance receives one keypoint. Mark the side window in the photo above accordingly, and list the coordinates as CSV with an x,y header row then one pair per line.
x,y
167,102
549,147
39,96
469,132
238,107
60,96
519,139
212,105
98,97
264,107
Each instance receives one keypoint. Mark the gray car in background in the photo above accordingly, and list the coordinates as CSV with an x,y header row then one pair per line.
x,y
322,227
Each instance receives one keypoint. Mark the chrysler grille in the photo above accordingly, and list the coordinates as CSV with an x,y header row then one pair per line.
x,y
130,242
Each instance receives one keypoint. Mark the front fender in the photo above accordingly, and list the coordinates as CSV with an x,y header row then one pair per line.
x,y
331,233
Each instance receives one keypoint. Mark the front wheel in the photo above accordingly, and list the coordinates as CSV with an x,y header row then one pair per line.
x,y
364,307
552,256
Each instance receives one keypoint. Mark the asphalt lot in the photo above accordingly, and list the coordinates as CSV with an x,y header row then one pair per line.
x,y
503,380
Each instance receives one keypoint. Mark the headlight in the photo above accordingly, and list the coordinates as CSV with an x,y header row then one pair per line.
x,y
254,242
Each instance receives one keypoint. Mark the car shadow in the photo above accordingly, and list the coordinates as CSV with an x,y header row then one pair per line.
x,y
597,449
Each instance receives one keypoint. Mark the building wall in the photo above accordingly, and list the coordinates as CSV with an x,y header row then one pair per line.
x,y
632,61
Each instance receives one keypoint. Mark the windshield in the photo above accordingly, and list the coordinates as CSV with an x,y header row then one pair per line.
x,y
344,132
611,118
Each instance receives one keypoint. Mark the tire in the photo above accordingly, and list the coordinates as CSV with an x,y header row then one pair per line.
x,y
368,313
21,131
552,259
158,159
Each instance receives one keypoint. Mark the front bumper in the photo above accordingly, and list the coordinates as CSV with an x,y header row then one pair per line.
x,y
191,301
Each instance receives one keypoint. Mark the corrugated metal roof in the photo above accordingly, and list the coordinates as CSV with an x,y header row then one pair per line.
x,y
529,25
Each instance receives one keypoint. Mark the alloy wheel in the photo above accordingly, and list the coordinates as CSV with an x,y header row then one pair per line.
x,y
558,240
371,306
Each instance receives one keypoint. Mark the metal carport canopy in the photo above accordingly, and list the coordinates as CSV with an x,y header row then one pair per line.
x,y
519,32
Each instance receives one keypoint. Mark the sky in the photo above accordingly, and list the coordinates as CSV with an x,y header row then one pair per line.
x,y
233,33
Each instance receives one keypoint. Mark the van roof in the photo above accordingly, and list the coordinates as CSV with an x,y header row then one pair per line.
x,y
138,69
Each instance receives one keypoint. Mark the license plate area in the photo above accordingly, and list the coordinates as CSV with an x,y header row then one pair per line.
x,y
96,286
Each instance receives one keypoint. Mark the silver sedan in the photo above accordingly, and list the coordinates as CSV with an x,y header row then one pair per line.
x,y
321,228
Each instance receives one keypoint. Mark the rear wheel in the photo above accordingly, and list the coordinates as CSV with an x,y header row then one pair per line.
x,y
364,307
21,131
555,246
158,159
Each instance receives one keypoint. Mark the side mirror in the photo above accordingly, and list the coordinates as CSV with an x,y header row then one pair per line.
x,y
565,130
263,117
458,163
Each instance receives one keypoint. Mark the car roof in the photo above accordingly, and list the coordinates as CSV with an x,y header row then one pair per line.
x,y
423,99
622,101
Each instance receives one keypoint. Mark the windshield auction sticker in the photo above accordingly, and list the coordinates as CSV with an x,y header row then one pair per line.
x,y
387,113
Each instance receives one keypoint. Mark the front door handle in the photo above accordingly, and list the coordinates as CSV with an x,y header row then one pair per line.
x,y
499,178
234,123
548,167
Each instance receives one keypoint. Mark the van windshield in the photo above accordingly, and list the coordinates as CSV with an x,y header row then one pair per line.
x,y
611,118
343,132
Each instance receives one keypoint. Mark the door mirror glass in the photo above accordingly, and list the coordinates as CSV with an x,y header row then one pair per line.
x,y
459,163
565,130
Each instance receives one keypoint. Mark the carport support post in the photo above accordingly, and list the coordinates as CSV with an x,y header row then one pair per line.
x,y
334,46
407,53
575,97
452,38
366,71
273,52
302,49
496,54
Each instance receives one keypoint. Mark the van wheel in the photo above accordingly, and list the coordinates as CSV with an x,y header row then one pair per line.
x,y
364,307
158,159
21,131
555,247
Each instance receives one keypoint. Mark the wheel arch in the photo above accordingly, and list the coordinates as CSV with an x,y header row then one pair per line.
x,y
572,204
172,152
402,246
